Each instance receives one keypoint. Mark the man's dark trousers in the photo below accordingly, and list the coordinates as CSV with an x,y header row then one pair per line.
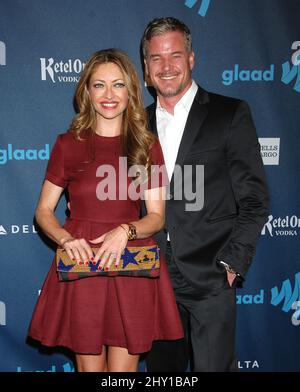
x,y
209,325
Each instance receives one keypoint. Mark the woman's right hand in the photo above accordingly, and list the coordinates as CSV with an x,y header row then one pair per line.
x,y
78,250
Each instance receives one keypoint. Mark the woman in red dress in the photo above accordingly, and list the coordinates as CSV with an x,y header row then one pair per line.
x,y
107,321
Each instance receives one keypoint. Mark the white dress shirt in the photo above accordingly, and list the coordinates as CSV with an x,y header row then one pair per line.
x,y
170,127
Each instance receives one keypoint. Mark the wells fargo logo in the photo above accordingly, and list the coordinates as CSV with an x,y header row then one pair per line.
x,y
2,53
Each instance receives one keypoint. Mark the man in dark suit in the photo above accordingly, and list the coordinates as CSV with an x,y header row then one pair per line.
x,y
209,245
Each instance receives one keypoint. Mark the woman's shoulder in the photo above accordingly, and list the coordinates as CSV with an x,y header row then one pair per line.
x,y
69,139
66,137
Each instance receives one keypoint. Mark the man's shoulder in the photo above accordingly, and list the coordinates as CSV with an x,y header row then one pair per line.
x,y
219,99
224,105
209,97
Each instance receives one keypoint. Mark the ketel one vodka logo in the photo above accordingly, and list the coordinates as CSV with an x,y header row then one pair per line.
x,y
61,71
281,226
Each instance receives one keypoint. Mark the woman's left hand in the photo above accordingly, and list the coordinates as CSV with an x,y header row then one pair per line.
x,y
113,244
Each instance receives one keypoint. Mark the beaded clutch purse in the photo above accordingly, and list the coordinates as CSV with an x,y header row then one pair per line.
x,y
137,261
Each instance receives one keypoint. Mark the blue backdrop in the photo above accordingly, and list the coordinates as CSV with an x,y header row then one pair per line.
x,y
244,48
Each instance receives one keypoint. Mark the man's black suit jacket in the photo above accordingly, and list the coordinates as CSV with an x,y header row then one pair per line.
x,y
220,135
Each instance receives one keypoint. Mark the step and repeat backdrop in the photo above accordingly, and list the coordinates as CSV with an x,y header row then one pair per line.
x,y
248,49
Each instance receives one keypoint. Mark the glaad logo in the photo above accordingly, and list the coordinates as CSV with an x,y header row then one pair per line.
x,y
245,75
269,148
66,368
250,299
18,229
65,72
9,154
2,313
289,73
281,226
289,297
296,315
267,75
204,4
2,53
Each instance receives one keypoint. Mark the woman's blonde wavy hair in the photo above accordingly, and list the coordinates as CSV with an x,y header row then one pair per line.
x,y
136,139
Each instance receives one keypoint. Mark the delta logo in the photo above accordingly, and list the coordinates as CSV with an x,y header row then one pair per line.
x,y
290,71
17,230
17,154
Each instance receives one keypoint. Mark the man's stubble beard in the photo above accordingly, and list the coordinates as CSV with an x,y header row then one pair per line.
x,y
169,92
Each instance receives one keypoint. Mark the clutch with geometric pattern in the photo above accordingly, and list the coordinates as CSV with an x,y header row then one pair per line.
x,y
139,261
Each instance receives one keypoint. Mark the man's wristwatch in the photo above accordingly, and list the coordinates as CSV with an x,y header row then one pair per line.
x,y
228,268
131,232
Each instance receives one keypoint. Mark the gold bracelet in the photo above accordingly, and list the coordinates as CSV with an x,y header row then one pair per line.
x,y
131,232
63,241
125,230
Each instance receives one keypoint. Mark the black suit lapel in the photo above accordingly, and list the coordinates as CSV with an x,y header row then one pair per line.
x,y
196,117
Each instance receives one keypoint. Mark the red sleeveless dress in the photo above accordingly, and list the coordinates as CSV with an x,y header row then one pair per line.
x,y
85,314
